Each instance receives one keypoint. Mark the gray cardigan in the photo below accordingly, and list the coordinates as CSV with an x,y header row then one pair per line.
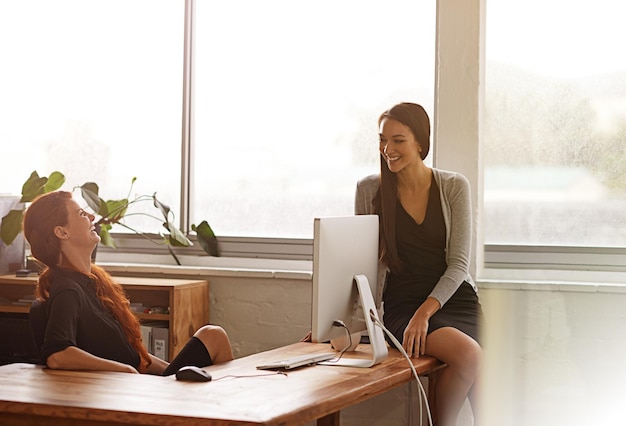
x,y
457,215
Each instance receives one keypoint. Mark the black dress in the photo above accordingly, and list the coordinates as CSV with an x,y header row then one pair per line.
x,y
422,249
76,317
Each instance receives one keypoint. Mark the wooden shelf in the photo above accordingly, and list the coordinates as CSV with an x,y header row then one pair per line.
x,y
19,309
186,300
153,317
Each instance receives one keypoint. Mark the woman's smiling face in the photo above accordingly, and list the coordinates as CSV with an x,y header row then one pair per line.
x,y
398,145
80,229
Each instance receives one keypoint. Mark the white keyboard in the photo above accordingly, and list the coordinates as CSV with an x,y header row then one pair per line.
x,y
297,361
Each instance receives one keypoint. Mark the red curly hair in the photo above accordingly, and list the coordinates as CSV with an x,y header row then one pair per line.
x,y
41,217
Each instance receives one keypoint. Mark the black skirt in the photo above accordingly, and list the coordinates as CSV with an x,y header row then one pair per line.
x,y
462,311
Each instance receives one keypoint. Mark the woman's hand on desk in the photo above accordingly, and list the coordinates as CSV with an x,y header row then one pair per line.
x,y
73,358
414,339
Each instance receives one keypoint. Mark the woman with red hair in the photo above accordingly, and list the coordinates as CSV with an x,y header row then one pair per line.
x,y
89,322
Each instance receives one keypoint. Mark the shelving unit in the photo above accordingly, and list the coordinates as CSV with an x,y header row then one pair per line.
x,y
187,302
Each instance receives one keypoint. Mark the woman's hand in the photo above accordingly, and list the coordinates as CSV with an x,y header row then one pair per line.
x,y
157,366
414,337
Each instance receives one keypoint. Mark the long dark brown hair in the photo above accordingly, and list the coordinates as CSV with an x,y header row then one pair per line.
x,y
416,119
42,216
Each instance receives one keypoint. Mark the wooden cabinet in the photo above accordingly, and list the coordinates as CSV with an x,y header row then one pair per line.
x,y
185,302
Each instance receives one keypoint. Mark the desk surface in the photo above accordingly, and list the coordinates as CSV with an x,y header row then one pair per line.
x,y
238,394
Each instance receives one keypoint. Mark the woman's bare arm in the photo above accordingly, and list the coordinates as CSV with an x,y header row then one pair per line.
x,y
74,358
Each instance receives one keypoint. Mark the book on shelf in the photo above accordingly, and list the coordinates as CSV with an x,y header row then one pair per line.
x,y
155,338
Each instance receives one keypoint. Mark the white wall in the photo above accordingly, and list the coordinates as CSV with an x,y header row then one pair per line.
x,y
554,354
260,313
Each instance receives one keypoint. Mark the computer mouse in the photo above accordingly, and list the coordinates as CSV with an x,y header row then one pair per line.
x,y
193,374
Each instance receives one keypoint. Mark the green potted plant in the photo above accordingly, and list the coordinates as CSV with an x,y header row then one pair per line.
x,y
113,212
34,186
109,213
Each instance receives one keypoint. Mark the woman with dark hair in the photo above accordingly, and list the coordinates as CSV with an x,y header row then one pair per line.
x,y
89,322
429,299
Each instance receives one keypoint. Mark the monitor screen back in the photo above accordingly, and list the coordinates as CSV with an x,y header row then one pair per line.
x,y
342,247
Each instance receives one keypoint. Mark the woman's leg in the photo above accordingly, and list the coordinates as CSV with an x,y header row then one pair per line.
x,y
463,355
209,345
216,341
474,399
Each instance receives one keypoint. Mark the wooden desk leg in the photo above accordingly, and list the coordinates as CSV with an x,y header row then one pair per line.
x,y
329,420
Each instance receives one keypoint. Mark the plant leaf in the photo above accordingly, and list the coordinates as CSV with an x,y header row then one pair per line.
x,y
11,226
33,187
89,192
36,185
176,237
55,181
114,210
163,208
206,238
105,237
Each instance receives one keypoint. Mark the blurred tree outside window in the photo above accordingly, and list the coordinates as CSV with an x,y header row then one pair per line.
x,y
555,136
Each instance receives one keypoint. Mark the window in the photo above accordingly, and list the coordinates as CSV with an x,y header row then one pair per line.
x,y
287,97
555,138
93,89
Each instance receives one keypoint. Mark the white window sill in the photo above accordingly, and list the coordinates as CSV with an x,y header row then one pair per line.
x,y
554,280
205,266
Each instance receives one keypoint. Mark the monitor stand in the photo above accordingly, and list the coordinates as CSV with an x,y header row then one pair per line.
x,y
377,339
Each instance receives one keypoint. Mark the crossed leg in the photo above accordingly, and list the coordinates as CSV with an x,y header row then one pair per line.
x,y
216,341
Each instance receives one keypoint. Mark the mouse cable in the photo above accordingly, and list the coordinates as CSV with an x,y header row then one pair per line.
x,y
421,392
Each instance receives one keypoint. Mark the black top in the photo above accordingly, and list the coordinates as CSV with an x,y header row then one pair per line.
x,y
422,249
77,318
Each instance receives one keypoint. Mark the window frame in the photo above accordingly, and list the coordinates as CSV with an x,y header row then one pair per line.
x,y
453,26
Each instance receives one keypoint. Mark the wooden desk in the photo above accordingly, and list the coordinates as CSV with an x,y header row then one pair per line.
x,y
32,395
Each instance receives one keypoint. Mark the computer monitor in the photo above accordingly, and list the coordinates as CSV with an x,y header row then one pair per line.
x,y
345,265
